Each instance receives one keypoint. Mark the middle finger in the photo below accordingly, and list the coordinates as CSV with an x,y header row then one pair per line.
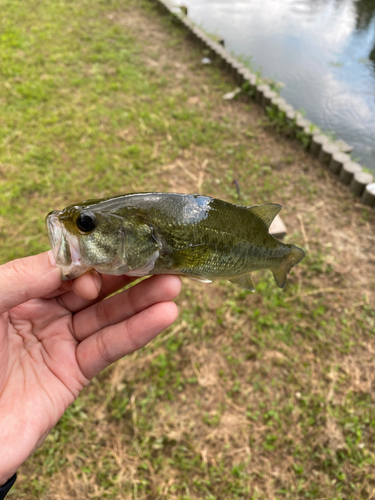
x,y
125,304
75,300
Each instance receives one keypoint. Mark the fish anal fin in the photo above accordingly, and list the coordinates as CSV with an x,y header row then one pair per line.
x,y
244,281
266,212
202,280
290,260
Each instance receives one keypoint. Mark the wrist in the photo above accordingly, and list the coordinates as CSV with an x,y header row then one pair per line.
x,y
4,478
10,458
4,488
6,475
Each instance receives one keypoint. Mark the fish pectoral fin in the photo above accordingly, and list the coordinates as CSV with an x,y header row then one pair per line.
x,y
193,256
266,212
290,260
244,281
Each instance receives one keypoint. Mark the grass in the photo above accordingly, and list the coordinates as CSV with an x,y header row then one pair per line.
x,y
247,396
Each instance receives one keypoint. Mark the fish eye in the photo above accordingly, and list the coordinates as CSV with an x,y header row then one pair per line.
x,y
86,223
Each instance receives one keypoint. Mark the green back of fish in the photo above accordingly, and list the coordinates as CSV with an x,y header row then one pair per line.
x,y
200,236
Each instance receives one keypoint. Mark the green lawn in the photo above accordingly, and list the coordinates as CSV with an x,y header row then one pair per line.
x,y
248,396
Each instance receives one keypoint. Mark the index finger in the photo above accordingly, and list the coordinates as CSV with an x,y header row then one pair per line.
x,y
76,301
86,286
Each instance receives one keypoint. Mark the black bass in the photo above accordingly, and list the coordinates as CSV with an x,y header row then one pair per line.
x,y
167,233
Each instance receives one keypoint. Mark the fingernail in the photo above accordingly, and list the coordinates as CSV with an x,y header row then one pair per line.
x,y
51,258
97,279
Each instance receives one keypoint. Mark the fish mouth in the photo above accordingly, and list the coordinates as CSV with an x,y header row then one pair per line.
x,y
65,248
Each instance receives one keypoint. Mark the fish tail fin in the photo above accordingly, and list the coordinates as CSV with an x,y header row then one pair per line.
x,y
290,260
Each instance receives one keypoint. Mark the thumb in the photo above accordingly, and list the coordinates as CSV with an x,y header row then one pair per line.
x,y
28,278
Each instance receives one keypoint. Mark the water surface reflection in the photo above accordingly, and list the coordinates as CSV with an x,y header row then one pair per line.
x,y
323,50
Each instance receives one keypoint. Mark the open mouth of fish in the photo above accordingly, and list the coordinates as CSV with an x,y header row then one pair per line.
x,y
65,248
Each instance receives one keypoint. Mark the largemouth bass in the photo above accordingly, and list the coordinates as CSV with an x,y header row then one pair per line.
x,y
167,233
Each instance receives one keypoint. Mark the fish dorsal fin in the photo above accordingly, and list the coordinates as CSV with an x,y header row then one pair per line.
x,y
266,212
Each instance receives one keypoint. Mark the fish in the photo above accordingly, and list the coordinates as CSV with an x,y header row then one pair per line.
x,y
192,235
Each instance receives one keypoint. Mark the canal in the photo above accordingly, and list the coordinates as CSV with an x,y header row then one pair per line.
x,y
323,51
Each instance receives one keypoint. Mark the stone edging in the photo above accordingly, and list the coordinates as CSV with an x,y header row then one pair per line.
x,y
333,155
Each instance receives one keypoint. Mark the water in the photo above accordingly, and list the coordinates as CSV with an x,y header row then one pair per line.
x,y
324,52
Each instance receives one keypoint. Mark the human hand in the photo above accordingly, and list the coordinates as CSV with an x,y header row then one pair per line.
x,y
56,336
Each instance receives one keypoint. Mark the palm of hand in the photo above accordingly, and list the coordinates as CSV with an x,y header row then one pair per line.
x,y
42,376
50,348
